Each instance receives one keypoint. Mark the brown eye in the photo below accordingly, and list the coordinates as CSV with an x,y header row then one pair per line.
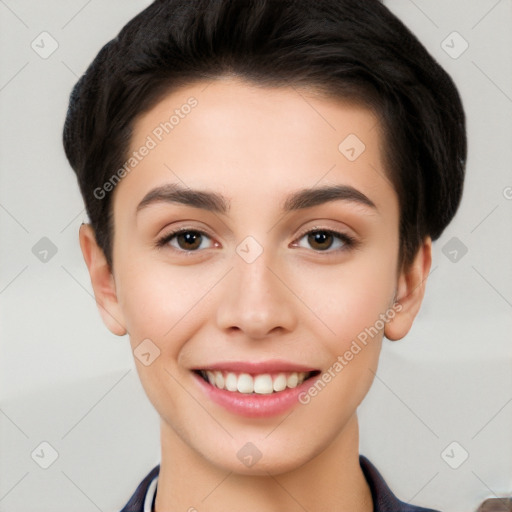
x,y
320,240
186,240
189,240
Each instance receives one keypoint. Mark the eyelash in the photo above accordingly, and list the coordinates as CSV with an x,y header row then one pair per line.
x,y
348,241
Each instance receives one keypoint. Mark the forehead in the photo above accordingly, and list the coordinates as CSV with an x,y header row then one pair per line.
x,y
252,142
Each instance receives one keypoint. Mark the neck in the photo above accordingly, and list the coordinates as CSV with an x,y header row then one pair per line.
x,y
333,480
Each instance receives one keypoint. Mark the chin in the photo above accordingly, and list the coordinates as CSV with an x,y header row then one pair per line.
x,y
263,457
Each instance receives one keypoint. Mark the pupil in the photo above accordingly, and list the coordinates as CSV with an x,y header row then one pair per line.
x,y
190,239
319,238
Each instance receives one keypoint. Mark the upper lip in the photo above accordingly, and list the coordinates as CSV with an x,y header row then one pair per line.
x,y
271,366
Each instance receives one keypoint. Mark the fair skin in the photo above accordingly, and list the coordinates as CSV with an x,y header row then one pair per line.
x,y
300,302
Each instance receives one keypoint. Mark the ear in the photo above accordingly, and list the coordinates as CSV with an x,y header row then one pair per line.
x,y
410,292
102,281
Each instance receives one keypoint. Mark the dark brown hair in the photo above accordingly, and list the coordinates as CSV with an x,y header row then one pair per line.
x,y
347,49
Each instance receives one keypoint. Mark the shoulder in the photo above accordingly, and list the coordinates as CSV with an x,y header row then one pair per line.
x,y
383,499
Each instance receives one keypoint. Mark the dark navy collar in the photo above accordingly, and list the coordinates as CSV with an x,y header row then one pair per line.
x,y
383,499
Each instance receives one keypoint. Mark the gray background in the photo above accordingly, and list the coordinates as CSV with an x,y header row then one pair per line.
x,y
442,394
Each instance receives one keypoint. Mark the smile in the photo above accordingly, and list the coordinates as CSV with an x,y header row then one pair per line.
x,y
254,390
261,384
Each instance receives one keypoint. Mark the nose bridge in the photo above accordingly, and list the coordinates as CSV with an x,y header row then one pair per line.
x,y
255,300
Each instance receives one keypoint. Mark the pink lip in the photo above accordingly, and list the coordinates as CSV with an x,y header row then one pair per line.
x,y
272,366
253,405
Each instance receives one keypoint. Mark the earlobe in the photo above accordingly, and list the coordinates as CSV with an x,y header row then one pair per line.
x,y
102,281
410,292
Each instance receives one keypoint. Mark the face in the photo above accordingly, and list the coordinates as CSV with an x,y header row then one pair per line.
x,y
254,246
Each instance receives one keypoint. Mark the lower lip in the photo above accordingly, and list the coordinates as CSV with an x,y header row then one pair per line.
x,y
254,405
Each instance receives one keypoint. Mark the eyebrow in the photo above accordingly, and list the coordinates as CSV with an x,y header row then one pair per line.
x,y
217,203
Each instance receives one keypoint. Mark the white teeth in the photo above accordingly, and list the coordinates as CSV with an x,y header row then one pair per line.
x,y
262,384
219,379
292,380
231,382
245,383
280,382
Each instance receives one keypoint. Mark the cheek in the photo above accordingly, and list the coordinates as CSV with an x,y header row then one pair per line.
x,y
163,304
345,300
349,305
158,300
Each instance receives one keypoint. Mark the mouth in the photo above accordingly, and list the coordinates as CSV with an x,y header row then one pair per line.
x,y
263,389
255,383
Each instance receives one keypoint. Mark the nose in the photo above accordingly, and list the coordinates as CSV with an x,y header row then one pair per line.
x,y
257,299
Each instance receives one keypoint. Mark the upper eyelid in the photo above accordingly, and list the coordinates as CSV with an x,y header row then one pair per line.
x,y
336,232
